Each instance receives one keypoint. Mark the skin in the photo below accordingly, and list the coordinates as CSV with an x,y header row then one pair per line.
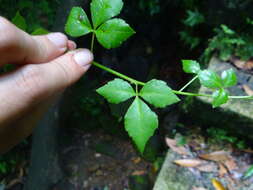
x,y
46,65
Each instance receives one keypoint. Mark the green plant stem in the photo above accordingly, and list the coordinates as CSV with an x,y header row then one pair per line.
x,y
133,81
136,82
92,42
136,90
240,97
191,81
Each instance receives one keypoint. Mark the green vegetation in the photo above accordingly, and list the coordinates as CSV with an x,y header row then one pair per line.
x,y
10,161
140,120
217,135
41,13
219,31
227,42
150,6
248,173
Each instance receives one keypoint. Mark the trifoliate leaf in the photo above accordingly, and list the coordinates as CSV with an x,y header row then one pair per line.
x,y
19,21
157,93
219,97
40,31
210,79
190,66
229,78
78,23
116,91
113,32
140,123
103,10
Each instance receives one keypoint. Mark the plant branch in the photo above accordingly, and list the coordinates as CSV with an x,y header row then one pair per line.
x,y
136,82
92,42
191,81
131,80
240,97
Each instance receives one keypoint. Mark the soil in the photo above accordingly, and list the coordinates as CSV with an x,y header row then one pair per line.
x,y
95,161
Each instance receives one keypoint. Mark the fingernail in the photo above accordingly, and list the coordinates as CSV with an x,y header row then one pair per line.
x,y
71,45
58,39
84,58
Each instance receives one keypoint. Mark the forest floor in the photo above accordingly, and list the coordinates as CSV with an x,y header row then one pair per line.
x,y
98,161
220,161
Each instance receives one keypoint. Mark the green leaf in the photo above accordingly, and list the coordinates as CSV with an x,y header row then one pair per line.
x,y
103,10
116,91
40,31
140,123
113,32
229,78
194,18
219,97
19,21
210,79
191,66
157,93
227,30
249,172
78,23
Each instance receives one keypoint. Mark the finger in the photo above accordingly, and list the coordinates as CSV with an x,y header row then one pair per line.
x,y
16,46
32,84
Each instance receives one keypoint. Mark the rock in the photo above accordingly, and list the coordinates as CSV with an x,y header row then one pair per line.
x,y
235,116
173,177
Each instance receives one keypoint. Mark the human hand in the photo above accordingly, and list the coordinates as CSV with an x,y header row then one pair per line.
x,y
44,69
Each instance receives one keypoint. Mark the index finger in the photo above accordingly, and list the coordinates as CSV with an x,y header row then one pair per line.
x,y
16,46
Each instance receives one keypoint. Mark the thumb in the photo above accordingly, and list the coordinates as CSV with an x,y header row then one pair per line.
x,y
31,84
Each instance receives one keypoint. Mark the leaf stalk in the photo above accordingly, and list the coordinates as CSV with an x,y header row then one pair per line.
x,y
180,92
190,82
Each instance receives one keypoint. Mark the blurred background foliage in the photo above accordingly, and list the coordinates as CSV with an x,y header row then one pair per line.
x,y
222,26
36,13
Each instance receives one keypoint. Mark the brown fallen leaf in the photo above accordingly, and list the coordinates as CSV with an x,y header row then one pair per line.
x,y
222,170
192,163
217,185
248,65
199,188
219,156
137,160
209,167
239,63
139,172
230,164
174,147
248,150
231,182
230,187
247,90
